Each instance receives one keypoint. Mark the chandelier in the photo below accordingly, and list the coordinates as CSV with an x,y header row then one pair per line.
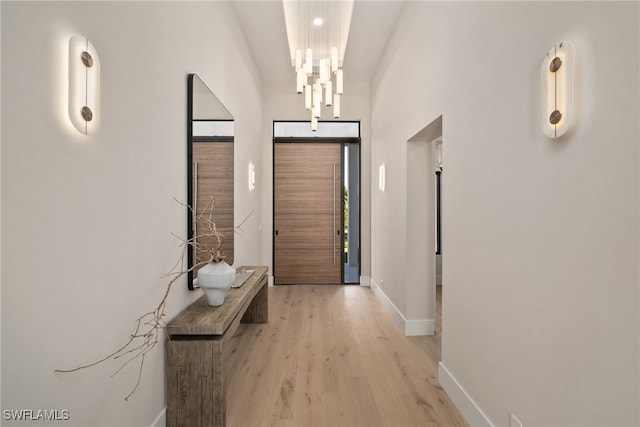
x,y
317,39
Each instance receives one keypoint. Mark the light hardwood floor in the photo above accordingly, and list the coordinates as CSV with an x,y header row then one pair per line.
x,y
331,356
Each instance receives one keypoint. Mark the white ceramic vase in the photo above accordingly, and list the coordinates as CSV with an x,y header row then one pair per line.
x,y
215,279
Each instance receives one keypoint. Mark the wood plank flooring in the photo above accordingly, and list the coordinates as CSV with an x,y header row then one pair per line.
x,y
331,356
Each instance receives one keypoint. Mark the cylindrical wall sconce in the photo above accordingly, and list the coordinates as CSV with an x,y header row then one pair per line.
x,y
382,177
84,85
252,177
438,153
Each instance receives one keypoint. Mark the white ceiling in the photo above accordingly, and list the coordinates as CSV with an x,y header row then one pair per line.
x,y
303,33
263,24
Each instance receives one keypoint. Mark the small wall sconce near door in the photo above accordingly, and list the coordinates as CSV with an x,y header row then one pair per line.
x,y
84,85
382,177
557,90
252,177
438,153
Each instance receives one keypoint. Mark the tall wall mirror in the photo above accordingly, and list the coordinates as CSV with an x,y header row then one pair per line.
x,y
209,170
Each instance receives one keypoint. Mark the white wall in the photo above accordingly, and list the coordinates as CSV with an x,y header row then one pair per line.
x,y
402,106
87,221
541,302
1,240
282,103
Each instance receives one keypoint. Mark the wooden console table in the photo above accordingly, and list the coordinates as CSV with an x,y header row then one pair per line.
x,y
196,383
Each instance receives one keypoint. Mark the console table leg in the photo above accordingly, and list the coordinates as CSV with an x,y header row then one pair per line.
x,y
258,310
197,386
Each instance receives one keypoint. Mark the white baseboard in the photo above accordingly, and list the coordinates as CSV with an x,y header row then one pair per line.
x,y
419,327
161,420
271,281
409,327
465,404
365,281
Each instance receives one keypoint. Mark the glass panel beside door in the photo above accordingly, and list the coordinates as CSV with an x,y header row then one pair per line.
x,y
351,213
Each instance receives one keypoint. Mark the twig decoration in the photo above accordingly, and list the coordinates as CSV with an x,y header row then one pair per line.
x,y
145,337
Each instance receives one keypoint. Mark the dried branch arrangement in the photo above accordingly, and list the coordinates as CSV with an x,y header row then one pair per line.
x,y
147,332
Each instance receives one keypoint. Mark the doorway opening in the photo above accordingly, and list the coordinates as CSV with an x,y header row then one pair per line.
x,y
438,202
316,203
424,160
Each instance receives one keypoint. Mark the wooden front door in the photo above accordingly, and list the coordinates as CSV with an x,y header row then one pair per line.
x,y
307,213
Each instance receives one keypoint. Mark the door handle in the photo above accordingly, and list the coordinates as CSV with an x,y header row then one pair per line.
x,y
334,213
276,232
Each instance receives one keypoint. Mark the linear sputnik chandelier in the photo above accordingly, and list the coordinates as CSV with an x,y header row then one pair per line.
x,y
317,39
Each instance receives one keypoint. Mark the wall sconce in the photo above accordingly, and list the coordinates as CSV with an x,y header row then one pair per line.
x,y
252,177
84,85
557,90
382,177
438,152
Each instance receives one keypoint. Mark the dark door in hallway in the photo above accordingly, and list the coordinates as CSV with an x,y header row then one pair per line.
x,y
307,213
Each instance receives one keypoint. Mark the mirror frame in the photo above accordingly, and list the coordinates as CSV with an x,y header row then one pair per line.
x,y
190,140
